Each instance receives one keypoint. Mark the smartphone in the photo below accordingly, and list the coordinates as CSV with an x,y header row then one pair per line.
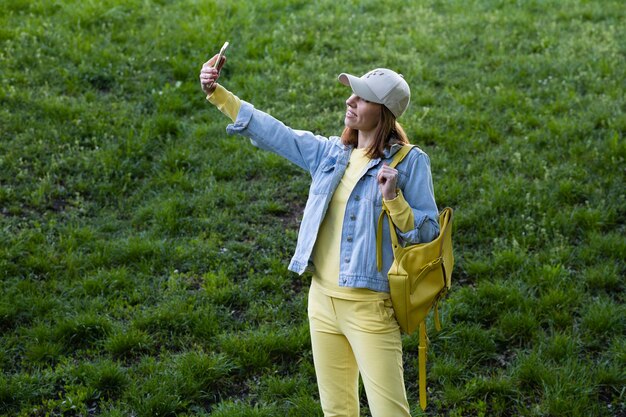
x,y
219,57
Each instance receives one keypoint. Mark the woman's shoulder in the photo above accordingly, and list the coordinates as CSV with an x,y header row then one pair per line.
x,y
416,158
336,140
334,144
413,154
417,153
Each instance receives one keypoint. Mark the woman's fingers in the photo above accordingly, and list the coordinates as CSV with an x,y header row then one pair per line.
x,y
208,76
210,72
211,61
387,173
387,180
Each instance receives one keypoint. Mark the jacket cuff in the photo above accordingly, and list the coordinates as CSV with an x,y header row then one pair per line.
x,y
243,119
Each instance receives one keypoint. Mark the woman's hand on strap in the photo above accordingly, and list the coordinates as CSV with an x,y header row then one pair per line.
x,y
387,181
209,74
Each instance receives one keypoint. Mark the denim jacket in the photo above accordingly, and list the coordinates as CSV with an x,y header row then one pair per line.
x,y
326,160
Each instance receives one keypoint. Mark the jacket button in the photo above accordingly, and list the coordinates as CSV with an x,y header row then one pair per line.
x,y
349,239
357,198
352,217
346,260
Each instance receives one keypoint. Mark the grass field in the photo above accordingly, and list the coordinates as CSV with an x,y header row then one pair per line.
x,y
143,252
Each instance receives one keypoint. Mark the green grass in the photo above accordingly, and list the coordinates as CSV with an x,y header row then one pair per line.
x,y
143,252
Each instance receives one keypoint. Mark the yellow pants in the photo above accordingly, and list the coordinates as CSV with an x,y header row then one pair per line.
x,y
352,337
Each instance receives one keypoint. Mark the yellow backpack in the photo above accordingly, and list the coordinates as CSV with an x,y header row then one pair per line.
x,y
419,277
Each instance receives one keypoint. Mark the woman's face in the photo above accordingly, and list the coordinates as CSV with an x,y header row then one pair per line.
x,y
362,114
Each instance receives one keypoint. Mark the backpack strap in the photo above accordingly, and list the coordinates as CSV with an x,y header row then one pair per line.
x,y
423,346
400,154
445,222
423,338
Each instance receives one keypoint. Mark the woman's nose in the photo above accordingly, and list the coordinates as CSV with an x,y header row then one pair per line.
x,y
350,100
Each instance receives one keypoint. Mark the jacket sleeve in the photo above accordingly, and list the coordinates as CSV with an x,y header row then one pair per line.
x,y
419,193
265,132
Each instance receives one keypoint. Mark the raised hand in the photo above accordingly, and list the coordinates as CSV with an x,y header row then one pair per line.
x,y
210,73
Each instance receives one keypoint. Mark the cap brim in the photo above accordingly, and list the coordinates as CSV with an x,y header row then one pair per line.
x,y
359,87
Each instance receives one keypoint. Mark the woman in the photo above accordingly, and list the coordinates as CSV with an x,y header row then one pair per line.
x,y
353,328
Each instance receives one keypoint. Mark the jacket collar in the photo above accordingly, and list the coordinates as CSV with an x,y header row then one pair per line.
x,y
389,151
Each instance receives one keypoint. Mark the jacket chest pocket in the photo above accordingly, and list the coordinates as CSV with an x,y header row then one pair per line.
x,y
323,178
369,186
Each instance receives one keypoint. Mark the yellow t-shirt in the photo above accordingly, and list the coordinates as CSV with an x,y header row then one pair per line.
x,y
328,243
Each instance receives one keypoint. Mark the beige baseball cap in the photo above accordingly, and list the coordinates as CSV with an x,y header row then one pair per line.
x,y
382,86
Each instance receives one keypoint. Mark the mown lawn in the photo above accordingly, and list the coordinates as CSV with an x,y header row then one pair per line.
x,y
143,252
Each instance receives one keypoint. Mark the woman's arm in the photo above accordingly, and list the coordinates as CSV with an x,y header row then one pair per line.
x,y
300,147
